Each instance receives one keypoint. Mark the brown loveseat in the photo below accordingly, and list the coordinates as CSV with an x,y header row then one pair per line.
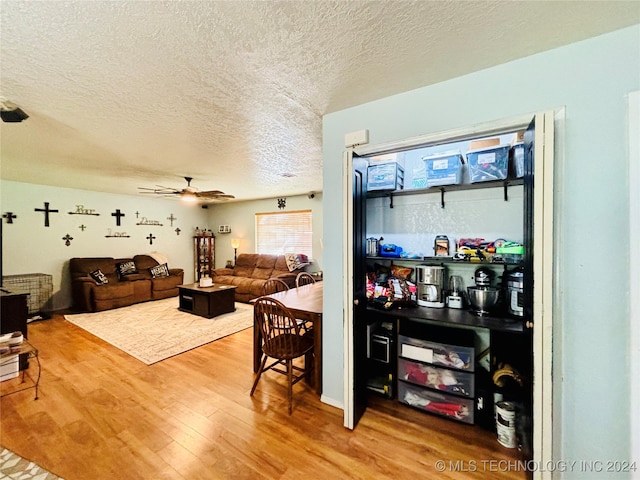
x,y
252,270
90,295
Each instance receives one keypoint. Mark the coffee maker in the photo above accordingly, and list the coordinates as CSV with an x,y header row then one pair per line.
x,y
430,282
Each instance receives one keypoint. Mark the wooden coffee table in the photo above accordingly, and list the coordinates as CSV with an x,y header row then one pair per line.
x,y
207,302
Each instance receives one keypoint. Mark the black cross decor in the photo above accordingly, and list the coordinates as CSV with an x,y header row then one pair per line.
x,y
82,227
67,239
151,238
171,218
46,213
177,231
9,216
118,215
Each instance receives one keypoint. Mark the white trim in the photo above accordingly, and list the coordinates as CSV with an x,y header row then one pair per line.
x,y
634,273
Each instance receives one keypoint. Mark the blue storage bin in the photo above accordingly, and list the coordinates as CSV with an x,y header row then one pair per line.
x,y
443,169
386,176
487,164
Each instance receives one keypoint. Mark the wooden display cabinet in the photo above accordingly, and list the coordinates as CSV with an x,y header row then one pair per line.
x,y
204,255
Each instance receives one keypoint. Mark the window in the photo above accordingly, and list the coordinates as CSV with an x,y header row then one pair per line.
x,y
284,232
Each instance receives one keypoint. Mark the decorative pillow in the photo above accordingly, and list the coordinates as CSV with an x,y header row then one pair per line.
x,y
99,277
296,261
126,268
159,271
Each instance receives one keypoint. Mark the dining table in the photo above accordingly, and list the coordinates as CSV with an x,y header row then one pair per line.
x,y
305,303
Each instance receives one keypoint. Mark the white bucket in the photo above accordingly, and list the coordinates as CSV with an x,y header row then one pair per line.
x,y
506,424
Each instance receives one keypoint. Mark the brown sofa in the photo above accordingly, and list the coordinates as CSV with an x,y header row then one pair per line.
x,y
119,291
252,270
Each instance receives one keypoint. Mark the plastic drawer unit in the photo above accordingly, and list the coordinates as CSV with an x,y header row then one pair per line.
x,y
386,176
437,378
441,354
449,406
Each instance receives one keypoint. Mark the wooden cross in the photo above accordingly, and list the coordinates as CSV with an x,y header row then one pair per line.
x,y
151,238
9,216
67,239
82,227
171,218
46,213
118,215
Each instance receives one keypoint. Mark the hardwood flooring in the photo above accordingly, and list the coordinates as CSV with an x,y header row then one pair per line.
x,y
103,414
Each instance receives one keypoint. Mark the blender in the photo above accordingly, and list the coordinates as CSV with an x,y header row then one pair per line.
x,y
456,288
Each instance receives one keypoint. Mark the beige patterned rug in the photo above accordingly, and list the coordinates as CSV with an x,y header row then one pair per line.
x,y
15,467
154,331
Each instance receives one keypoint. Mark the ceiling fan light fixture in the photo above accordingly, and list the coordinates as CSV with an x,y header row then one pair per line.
x,y
189,197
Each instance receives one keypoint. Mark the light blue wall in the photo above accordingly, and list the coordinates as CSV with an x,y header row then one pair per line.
x,y
30,247
240,216
591,79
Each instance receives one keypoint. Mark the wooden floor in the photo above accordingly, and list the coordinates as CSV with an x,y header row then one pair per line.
x,y
103,414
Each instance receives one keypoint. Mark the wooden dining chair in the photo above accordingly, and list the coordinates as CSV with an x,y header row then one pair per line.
x,y
304,278
274,285
283,341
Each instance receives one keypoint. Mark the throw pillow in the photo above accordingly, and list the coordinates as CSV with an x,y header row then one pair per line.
x,y
159,271
99,277
126,268
296,261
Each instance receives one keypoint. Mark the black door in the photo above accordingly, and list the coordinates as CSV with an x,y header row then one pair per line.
x,y
529,148
359,285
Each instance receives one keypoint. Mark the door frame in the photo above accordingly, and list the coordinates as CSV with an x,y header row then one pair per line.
x,y
543,261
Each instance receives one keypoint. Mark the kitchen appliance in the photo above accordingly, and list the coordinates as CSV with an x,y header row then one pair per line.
x,y
430,282
373,246
515,289
456,288
483,297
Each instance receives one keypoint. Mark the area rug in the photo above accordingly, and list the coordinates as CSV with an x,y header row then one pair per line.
x,y
154,331
14,466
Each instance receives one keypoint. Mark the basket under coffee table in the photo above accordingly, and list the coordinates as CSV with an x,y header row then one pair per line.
x,y
207,302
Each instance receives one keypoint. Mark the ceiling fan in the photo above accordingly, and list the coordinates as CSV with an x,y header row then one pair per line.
x,y
188,193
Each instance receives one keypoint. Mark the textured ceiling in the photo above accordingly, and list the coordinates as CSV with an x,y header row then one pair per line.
x,y
124,94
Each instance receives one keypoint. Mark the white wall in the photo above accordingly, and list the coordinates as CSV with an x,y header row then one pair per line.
x,y
240,216
30,247
591,78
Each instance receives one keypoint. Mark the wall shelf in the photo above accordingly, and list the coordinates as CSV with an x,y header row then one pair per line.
x,y
504,184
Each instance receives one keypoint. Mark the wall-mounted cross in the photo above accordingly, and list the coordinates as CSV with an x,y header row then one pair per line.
x,y
137,213
67,239
151,238
9,216
118,215
178,231
171,218
46,211
82,227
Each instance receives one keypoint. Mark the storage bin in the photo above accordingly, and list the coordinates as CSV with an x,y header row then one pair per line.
x,y
486,164
387,176
452,356
9,367
442,404
437,378
443,169
517,160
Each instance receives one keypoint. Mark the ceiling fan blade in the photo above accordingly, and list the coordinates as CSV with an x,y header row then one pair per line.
x,y
209,193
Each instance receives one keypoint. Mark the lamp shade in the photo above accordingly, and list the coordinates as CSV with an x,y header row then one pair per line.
x,y
235,242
